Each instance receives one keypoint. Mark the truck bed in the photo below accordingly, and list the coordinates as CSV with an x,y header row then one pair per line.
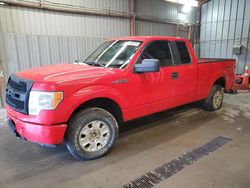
x,y
212,60
209,69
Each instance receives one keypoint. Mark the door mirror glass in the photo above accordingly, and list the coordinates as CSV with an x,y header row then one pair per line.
x,y
148,65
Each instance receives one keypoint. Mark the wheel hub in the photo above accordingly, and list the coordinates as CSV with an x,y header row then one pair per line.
x,y
217,99
94,136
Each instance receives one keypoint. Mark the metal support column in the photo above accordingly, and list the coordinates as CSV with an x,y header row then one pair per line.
x,y
132,18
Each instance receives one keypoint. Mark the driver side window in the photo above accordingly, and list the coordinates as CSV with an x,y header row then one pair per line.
x,y
158,50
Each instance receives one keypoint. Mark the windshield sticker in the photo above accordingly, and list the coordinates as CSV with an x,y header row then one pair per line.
x,y
132,43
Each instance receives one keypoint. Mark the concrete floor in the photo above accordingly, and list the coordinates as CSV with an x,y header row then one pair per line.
x,y
143,145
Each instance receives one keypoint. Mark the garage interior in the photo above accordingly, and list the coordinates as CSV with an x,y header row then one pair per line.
x,y
43,32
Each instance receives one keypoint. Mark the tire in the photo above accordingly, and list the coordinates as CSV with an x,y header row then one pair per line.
x,y
215,99
91,133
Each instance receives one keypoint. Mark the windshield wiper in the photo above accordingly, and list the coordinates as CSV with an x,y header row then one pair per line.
x,y
92,63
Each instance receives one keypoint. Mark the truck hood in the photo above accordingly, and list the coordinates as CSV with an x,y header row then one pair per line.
x,y
64,72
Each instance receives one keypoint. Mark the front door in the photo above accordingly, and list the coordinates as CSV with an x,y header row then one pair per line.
x,y
151,89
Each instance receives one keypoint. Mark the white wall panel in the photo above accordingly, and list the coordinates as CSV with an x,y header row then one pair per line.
x,y
30,21
163,10
117,5
150,28
34,37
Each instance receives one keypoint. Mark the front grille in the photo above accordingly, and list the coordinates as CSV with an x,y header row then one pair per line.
x,y
17,93
20,86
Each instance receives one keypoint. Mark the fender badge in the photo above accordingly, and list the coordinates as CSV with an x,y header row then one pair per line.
x,y
120,81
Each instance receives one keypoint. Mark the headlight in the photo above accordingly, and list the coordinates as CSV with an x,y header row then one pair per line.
x,y
41,100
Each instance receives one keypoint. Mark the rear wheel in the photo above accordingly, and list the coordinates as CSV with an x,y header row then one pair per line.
x,y
215,98
91,133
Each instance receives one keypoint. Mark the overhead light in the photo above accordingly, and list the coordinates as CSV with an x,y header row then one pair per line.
x,y
192,3
186,8
2,3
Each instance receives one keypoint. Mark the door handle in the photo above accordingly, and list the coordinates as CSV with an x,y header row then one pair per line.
x,y
174,75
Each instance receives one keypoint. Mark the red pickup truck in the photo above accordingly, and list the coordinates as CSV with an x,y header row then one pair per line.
x,y
85,103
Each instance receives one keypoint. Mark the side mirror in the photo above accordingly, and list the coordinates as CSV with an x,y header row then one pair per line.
x,y
148,65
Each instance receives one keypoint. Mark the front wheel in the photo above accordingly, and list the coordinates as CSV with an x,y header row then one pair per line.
x,y
215,99
91,133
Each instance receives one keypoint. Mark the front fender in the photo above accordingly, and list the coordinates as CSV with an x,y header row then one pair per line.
x,y
92,92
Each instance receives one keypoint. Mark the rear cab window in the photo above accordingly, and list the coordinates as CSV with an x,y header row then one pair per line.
x,y
182,53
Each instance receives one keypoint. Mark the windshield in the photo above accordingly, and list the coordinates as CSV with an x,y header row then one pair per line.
x,y
116,54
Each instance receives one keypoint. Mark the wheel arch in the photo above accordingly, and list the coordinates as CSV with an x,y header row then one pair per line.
x,y
105,103
220,81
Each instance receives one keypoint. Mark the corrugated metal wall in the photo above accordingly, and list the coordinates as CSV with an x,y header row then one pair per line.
x,y
151,28
162,11
223,24
31,37
117,5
